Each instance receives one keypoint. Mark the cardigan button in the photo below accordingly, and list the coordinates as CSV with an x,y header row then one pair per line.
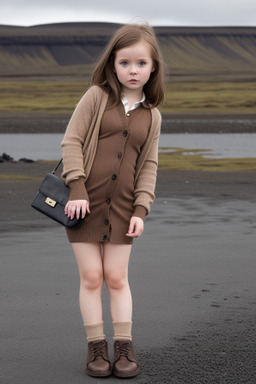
x,y
106,222
119,155
114,177
125,133
104,237
108,201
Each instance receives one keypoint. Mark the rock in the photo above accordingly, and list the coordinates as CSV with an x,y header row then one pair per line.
x,y
6,157
25,160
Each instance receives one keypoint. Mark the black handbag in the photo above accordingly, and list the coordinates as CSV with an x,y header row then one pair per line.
x,y
51,198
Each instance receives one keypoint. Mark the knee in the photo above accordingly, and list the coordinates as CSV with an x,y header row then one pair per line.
x,y
115,280
91,280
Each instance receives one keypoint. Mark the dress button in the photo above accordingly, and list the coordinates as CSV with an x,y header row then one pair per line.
x,y
104,237
114,177
125,133
108,201
128,114
119,155
106,222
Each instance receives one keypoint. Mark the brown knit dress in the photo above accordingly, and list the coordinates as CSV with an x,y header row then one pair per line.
x,y
110,184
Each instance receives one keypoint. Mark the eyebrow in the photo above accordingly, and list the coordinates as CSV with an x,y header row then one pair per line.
x,y
143,58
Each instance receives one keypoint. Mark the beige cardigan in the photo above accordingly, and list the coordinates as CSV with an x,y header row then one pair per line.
x,y
80,143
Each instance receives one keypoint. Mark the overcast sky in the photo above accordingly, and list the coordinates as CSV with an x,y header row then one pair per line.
x,y
155,12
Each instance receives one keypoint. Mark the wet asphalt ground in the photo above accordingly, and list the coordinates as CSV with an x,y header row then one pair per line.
x,y
192,276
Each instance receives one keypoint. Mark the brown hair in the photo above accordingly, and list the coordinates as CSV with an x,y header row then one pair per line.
x,y
105,77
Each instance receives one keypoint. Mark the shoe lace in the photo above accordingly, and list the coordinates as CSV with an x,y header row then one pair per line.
x,y
122,349
98,349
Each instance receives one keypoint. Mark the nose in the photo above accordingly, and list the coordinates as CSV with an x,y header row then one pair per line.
x,y
133,70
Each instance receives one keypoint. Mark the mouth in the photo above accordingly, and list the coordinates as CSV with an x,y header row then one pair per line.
x,y
133,81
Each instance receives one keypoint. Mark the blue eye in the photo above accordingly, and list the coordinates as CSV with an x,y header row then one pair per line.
x,y
124,63
142,63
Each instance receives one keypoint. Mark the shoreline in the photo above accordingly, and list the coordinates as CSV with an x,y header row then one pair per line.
x,y
20,181
33,122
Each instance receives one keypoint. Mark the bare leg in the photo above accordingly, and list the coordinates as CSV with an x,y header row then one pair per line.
x,y
89,261
115,265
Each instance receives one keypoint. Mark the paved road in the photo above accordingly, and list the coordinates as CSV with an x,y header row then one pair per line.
x,y
192,275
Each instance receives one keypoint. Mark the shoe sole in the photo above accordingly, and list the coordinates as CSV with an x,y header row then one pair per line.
x,y
133,374
95,374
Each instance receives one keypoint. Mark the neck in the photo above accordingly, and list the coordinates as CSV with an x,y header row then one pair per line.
x,y
133,97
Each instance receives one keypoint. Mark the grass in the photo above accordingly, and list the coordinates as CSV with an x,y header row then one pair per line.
x,y
210,97
40,96
55,97
182,159
19,177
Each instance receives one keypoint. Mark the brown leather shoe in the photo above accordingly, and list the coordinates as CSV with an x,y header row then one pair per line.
x,y
98,364
125,362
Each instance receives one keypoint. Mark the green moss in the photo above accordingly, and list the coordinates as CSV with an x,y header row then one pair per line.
x,y
181,159
181,97
210,97
50,97
19,177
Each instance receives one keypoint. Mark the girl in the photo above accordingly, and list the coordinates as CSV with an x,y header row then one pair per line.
x,y
110,152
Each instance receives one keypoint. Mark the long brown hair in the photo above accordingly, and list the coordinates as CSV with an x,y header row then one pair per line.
x,y
105,77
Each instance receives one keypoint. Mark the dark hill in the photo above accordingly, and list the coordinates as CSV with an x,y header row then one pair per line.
x,y
62,49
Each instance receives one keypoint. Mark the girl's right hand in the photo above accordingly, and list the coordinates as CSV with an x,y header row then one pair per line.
x,y
77,208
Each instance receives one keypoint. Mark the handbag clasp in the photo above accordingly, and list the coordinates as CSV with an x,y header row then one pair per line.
x,y
50,202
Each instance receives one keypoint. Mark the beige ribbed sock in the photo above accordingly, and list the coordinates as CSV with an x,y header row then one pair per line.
x,y
122,330
94,332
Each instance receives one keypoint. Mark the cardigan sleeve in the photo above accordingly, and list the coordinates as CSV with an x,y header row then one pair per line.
x,y
78,190
140,212
144,192
75,136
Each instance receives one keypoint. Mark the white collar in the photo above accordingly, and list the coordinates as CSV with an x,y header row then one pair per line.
x,y
134,106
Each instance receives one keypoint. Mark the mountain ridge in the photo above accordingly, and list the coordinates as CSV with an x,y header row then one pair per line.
x,y
73,48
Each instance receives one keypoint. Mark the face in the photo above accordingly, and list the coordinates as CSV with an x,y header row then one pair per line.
x,y
133,66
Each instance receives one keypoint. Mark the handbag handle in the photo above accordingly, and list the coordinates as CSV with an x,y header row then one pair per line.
x,y
57,166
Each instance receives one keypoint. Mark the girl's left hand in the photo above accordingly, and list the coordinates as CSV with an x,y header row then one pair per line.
x,y
77,208
136,227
